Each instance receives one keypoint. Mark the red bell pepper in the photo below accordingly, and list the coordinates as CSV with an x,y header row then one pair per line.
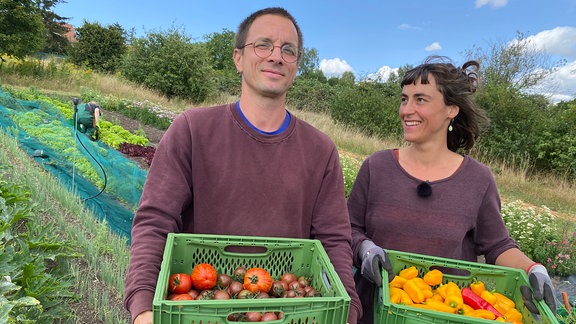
x,y
477,302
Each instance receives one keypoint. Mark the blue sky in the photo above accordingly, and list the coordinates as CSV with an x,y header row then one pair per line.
x,y
366,36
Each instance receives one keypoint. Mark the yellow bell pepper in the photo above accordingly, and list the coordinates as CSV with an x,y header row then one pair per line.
x,y
426,288
453,295
441,290
489,297
433,277
440,306
501,308
398,282
466,309
503,300
400,296
477,286
513,315
414,291
436,296
409,273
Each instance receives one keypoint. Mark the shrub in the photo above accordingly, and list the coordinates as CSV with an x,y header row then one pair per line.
x,y
542,237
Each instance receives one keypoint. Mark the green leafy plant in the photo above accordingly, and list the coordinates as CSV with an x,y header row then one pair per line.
x,y
33,281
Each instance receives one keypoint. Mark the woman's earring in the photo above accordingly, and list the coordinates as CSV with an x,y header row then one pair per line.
x,y
450,128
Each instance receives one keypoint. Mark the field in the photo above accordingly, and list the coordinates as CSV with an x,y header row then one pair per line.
x,y
99,275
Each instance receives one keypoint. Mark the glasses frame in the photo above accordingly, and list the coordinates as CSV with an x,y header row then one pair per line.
x,y
253,44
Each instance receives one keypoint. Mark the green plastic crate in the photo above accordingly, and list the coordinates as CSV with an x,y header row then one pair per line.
x,y
276,255
503,279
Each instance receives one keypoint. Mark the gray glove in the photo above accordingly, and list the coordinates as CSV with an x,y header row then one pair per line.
x,y
542,288
373,260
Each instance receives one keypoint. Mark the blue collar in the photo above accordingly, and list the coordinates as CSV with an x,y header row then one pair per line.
x,y
282,128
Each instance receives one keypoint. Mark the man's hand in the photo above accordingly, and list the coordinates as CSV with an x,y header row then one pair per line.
x,y
542,289
373,260
144,318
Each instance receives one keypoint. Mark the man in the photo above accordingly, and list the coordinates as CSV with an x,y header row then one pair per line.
x,y
248,168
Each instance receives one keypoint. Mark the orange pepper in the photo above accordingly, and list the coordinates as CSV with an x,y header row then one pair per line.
x,y
436,296
477,286
440,306
489,297
482,313
513,315
400,296
433,277
414,291
466,309
501,308
500,319
426,288
441,290
398,282
409,273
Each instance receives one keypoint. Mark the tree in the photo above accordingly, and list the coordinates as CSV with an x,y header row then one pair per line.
x,y
100,48
517,65
220,48
308,61
168,62
55,37
21,28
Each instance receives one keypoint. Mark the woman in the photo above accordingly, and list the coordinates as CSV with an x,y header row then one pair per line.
x,y
428,197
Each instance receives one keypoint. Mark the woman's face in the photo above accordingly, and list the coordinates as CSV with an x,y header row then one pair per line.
x,y
424,115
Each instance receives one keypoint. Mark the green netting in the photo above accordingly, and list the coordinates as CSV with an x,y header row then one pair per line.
x,y
109,183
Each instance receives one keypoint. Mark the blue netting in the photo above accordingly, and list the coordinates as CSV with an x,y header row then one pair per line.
x,y
83,166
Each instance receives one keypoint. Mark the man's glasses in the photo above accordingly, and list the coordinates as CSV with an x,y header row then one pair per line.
x,y
263,49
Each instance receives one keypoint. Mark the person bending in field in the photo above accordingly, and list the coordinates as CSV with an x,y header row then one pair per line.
x,y
86,119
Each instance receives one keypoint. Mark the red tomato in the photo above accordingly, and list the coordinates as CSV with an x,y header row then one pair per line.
x,y
288,277
269,316
179,283
184,296
257,280
204,276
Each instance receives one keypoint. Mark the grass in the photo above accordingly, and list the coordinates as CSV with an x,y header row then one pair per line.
x,y
105,255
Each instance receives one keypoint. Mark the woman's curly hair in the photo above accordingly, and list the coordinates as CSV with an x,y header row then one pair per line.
x,y
457,85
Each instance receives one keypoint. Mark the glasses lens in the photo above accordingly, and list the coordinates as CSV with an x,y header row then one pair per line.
x,y
264,49
289,53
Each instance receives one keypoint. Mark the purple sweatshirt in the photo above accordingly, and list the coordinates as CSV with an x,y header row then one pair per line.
x,y
212,173
460,220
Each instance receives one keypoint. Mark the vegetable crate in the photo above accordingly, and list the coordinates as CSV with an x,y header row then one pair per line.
x,y
276,255
502,279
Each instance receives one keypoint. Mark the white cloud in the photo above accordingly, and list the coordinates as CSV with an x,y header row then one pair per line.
x,y
334,67
433,47
492,3
382,74
558,41
408,26
562,83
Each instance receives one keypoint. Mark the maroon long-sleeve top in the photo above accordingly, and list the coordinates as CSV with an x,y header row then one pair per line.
x,y
212,173
460,220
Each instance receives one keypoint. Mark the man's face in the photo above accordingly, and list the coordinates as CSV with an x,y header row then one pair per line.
x,y
271,76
